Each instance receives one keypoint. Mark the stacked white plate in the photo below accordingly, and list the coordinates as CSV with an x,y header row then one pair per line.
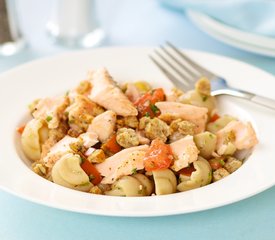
x,y
244,40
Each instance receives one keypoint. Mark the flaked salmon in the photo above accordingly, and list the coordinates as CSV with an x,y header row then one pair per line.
x,y
103,125
175,110
185,151
123,163
106,93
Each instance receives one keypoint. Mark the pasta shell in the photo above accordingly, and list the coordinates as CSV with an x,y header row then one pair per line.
x,y
34,134
68,173
165,182
201,177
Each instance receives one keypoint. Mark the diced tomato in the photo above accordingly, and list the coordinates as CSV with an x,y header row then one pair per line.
x,y
158,156
91,171
216,163
21,129
146,103
214,117
111,145
187,171
158,95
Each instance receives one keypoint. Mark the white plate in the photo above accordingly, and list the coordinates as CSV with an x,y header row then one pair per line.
x,y
244,40
55,75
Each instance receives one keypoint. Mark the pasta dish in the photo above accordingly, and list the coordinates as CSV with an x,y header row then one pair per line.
x,y
132,139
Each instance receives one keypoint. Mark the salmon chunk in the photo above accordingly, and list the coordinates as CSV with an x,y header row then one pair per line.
x,y
62,147
103,125
173,110
123,163
106,93
185,151
51,110
242,135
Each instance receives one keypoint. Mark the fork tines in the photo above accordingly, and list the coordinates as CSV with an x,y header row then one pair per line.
x,y
178,67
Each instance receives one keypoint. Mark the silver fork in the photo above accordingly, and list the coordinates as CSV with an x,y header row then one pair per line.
x,y
184,72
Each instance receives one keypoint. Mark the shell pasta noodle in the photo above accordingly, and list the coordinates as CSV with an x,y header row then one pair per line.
x,y
133,140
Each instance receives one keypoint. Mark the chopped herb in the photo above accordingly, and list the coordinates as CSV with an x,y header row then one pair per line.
x,y
49,118
140,191
66,113
154,108
67,93
134,170
147,114
204,98
222,162
82,159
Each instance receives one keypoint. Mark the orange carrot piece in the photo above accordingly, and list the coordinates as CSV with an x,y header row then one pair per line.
x,y
111,145
91,171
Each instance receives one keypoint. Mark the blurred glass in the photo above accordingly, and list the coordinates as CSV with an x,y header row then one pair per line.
x,y
11,40
73,23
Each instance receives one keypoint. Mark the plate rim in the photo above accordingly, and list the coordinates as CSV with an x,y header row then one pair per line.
x,y
212,27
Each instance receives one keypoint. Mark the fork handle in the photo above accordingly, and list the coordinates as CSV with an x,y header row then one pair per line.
x,y
263,101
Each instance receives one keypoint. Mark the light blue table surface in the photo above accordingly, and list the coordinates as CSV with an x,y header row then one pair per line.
x,y
133,23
